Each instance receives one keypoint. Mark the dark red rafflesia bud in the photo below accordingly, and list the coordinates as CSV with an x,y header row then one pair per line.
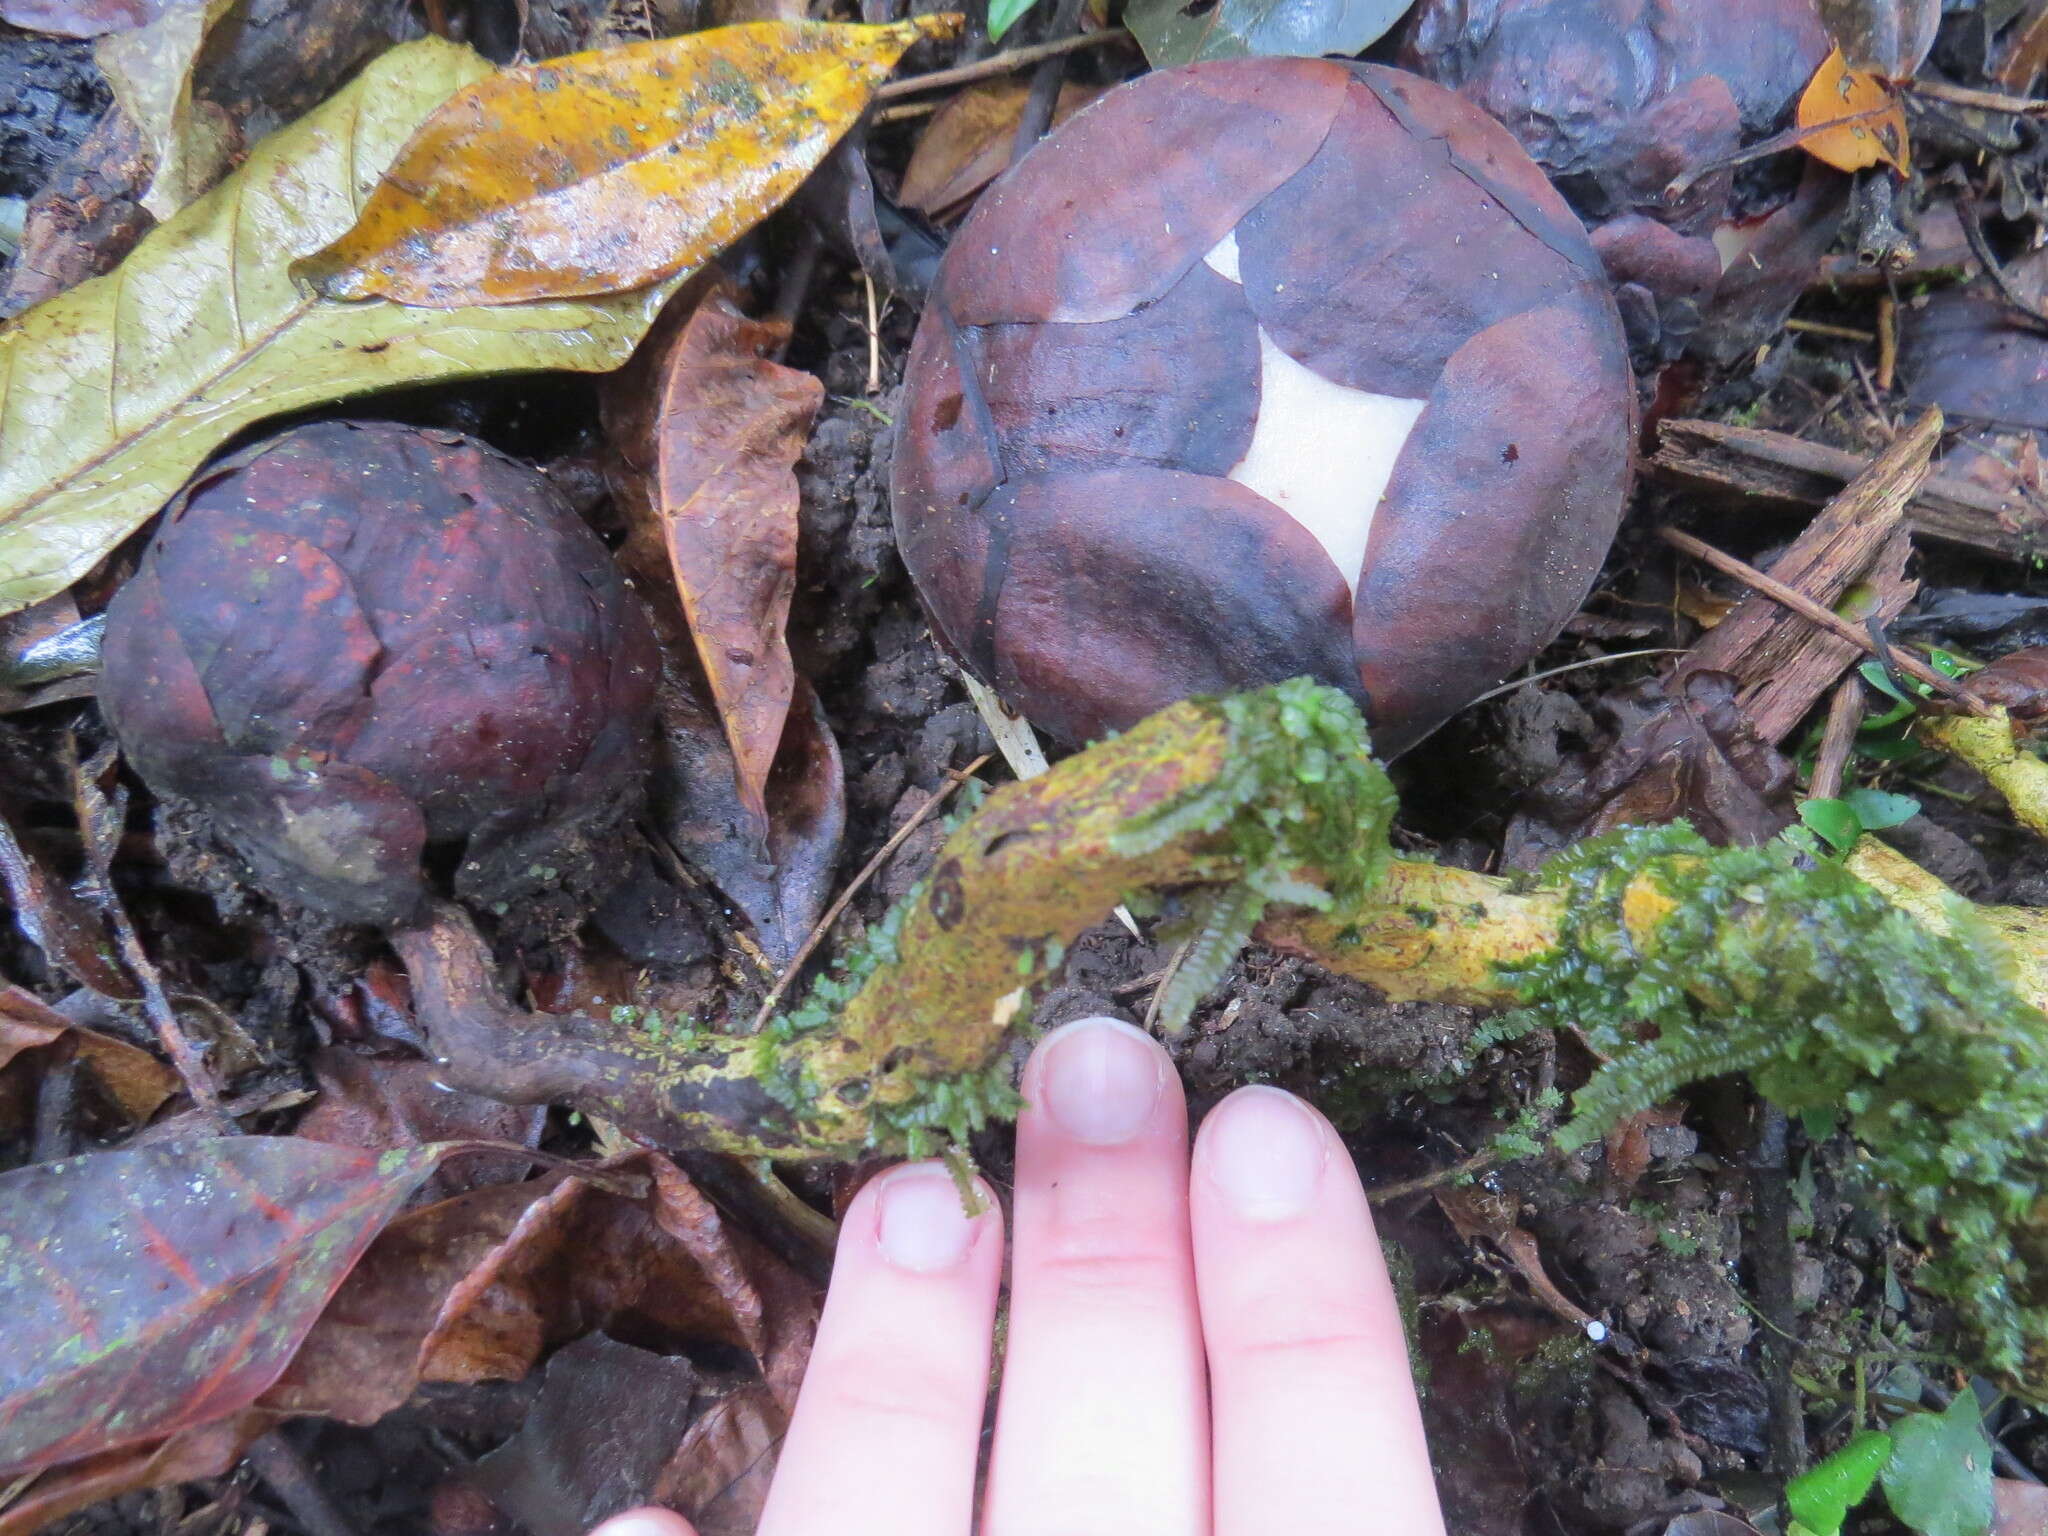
x,y
358,640
1254,369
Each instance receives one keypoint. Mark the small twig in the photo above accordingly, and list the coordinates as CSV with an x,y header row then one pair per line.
x,y
1771,1198
278,1462
1837,740
1815,613
1577,666
903,112
1043,98
824,924
1387,1194
1973,231
1791,138
1887,341
998,64
1822,328
874,336
1983,101
796,283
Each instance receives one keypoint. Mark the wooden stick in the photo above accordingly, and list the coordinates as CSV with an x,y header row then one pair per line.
x,y
1777,466
1782,668
1814,613
997,64
1837,740
1983,101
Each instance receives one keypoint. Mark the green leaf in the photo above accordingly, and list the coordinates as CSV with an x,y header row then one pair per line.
x,y
1821,1498
1834,820
1876,809
114,392
1005,14
1938,1480
1182,31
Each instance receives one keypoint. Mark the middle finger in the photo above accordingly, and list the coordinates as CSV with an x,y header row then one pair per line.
x,y
1103,1423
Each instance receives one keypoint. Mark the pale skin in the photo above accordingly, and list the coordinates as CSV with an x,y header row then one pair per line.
x,y
1201,1343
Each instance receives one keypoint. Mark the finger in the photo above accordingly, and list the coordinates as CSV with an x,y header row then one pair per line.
x,y
1103,1422
1317,1432
646,1522
888,1423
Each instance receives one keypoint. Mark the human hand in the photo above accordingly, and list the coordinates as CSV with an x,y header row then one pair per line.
x,y
1188,1351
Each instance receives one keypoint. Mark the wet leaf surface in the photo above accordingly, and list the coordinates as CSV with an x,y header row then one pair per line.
x,y
710,428
78,18
1888,38
381,1103
163,1288
1856,119
967,143
134,1080
150,70
612,169
138,375
1183,31
606,1421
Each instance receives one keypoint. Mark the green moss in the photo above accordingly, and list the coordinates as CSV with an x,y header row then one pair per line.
x,y
1298,791
1779,962
948,1111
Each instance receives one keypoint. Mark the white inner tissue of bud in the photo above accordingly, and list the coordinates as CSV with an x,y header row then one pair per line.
x,y
1321,452
1222,258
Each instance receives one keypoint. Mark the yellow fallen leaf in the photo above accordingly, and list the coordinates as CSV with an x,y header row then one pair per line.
x,y
1852,120
112,393
608,170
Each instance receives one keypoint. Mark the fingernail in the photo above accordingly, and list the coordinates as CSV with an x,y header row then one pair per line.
x,y
1264,1150
644,1522
924,1225
1099,1080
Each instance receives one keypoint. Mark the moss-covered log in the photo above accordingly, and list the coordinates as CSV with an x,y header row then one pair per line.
x,y
1858,990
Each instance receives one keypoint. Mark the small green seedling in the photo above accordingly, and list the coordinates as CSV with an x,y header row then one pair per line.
x,y
1935,1467
1839,822
1005,14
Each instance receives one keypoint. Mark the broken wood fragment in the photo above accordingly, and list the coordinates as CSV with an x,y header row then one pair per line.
x,y
1783,665
1757,465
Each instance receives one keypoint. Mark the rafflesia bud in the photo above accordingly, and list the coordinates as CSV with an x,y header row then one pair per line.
x,y
357,641
1255,369
1616,100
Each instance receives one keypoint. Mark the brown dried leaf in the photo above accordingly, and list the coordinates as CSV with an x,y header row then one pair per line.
x,y
477,1287
207,1450
135,1080
1628,1144
378,1103
967,143
1857,119
719,1475
714,506
1692,755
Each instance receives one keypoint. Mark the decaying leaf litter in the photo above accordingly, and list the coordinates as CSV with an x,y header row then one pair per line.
x,y
1833,525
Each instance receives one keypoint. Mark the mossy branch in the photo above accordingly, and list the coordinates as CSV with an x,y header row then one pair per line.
x,y
1859,989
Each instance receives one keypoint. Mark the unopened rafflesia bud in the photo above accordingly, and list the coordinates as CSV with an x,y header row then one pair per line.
x,y
1256,369
357,641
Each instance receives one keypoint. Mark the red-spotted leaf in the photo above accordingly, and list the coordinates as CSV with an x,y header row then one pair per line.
x,y
161,1287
